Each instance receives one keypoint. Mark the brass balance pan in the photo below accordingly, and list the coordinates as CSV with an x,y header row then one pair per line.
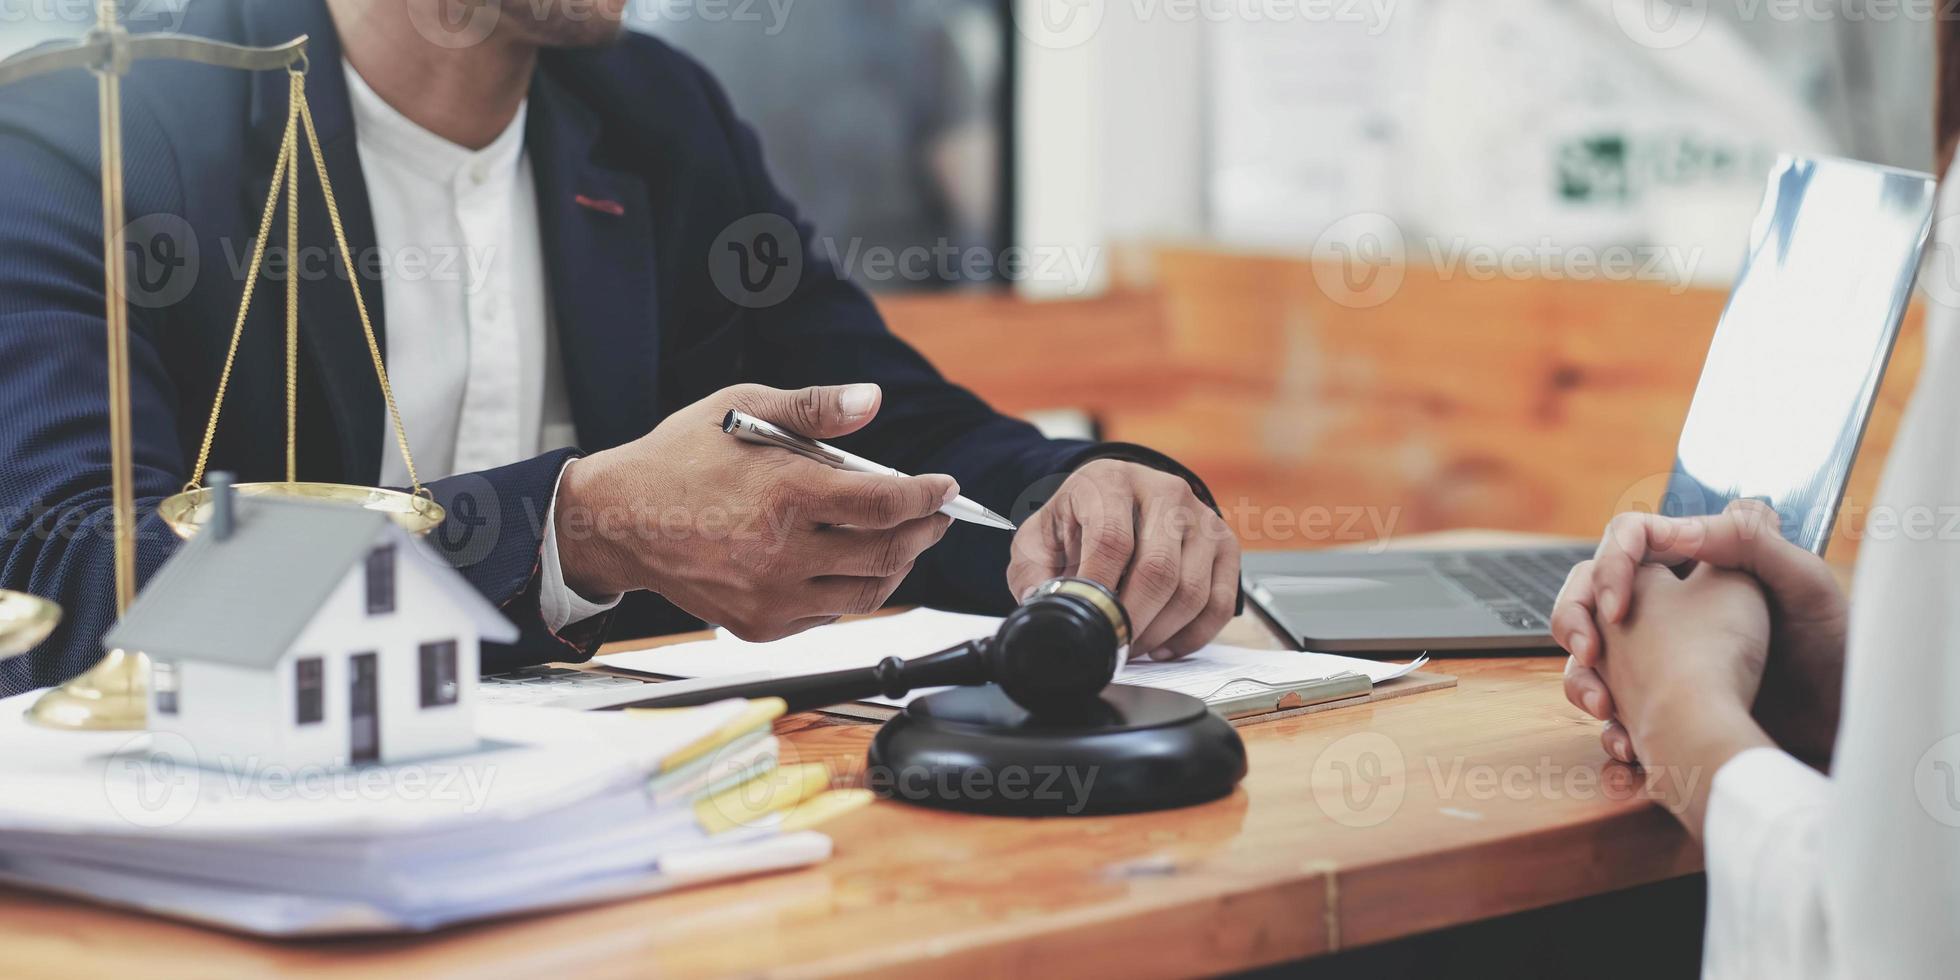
x,y
188,511
25,620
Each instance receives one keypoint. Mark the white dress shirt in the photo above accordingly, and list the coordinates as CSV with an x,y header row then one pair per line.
x,y
471,350
1858,874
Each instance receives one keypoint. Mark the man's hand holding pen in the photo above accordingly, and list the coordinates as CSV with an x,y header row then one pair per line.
x,y
765,543
770,543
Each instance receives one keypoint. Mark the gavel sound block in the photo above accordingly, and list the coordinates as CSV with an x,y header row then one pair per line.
x,y
1033,727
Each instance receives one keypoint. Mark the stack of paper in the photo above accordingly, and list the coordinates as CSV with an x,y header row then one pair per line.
x,y
1215,673
556,808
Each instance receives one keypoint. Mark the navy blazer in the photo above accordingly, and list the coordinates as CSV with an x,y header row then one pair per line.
x,y
640,166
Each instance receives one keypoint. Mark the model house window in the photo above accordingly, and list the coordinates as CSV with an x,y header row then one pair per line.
x,y
309,685
163,678
439,674
381,580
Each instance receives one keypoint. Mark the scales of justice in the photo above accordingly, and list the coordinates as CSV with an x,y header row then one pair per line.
x,y
1038,693
113,695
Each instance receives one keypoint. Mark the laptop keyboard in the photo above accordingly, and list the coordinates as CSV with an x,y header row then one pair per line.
x,y
1519,586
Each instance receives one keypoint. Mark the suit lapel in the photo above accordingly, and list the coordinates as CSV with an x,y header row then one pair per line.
x,y
598,243
330,326
599,255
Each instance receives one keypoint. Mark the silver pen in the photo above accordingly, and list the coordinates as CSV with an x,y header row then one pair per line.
x,y
748,428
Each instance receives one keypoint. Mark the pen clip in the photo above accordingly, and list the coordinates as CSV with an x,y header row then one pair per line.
x,y
748,428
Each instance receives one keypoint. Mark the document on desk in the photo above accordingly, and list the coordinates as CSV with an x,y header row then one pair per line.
x,y
555,808
550,687
1215,673
1219,672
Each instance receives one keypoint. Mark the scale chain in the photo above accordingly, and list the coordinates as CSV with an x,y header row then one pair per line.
x,y
285,176
287,153
297,93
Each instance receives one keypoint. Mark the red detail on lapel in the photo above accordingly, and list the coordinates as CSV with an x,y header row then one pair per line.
x,y
601,205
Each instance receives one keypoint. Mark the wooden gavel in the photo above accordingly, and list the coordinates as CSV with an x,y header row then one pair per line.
x,y
1058,650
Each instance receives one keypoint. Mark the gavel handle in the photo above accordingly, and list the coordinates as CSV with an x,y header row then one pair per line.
x,y
891,677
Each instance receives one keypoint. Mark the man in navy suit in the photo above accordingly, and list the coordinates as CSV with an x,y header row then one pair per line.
x,y
576,263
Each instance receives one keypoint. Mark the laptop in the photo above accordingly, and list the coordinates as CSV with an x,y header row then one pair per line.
x,y
1784,395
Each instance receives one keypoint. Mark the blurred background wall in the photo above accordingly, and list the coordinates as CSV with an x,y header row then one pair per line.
x,y
1266,124
1262,125
906,147
1370,266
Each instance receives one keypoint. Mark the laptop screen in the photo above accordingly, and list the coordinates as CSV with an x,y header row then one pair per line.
x,y
1801,347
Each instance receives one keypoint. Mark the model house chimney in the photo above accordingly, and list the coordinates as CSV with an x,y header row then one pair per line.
x,y
224,509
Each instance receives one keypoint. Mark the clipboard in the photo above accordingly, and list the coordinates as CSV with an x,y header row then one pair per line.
x,y
1286,697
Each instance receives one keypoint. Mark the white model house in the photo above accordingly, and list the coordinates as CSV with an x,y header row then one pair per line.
x,y
302,635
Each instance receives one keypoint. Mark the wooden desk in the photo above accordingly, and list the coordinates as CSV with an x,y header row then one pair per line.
x,y
1355,826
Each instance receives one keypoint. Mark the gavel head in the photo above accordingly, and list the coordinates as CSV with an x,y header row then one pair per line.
x,y
1061,647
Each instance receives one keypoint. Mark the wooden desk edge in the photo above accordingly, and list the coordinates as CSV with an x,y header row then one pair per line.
x,y
1227,910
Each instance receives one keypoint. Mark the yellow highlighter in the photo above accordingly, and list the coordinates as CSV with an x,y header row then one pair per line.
x,y
825,808
774,791
760,713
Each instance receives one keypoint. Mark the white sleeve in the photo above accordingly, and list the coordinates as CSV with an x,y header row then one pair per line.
x,y
1891,853
1891,844
1859,875
559,604
1765,904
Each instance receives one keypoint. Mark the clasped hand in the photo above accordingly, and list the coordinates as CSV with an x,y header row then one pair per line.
x,y
1745,648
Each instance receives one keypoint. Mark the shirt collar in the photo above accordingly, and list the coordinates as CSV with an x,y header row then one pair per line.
x,y
381,128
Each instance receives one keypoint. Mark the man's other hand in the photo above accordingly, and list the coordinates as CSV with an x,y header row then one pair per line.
x,y
753,538
1142,532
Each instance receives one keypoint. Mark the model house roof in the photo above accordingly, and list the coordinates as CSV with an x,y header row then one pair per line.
x,y
244,599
